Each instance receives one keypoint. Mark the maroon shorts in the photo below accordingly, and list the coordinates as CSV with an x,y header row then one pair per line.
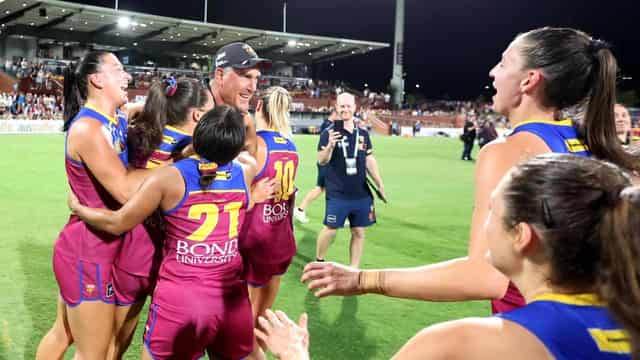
x,y
259,275
185,323
130,288
81,280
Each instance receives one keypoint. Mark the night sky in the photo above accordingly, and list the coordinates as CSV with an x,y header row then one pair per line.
x,y
450,45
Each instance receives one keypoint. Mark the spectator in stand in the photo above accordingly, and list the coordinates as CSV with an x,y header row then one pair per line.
x,y
623,124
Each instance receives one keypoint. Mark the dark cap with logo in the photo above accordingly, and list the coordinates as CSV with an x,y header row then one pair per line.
x,y
239,56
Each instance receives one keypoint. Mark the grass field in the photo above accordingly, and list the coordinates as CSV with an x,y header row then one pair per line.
x,y
427,220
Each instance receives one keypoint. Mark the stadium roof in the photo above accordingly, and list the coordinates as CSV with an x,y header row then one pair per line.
x,y
119,29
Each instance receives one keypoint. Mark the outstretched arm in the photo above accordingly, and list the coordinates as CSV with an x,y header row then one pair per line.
x,y
139,207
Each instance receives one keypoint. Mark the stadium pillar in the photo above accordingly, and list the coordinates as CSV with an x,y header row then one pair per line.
x,y
284,16
397,81
206,5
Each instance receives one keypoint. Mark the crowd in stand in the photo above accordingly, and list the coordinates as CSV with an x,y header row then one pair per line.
x,y
21,106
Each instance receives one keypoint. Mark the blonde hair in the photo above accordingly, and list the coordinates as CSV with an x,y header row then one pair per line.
x,y
276,102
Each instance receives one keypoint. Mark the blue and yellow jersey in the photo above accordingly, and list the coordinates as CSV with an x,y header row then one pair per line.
x,y
573,327
116,127
560,136
173,141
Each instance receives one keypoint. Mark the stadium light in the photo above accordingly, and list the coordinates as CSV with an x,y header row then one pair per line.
x,y
124,22
366,85
292,43
417,86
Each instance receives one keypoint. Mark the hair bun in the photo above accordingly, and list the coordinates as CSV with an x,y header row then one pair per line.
x,y
207,168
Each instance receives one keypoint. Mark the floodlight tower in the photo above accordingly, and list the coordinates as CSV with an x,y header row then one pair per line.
x,y
397,81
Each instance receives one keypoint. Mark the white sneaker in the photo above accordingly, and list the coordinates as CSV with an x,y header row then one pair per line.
x,y
300,215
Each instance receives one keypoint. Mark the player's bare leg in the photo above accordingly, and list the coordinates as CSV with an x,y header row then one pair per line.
x,y
357,245
126,321
324,240
56,342
91,324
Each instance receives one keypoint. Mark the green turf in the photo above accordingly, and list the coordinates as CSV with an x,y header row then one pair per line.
x,y
427,220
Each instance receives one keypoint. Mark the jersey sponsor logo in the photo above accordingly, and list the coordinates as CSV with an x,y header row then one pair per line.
x,y
274,213
201,253
611,341
169,140
575,145
223,175
109,292
89,288
279,140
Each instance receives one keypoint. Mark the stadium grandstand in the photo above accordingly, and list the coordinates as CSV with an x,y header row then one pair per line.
x,y
39,38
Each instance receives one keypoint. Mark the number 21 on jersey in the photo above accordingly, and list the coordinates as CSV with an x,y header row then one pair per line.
x,y
211,213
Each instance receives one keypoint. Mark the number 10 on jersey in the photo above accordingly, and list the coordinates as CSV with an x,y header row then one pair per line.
x,y
285,171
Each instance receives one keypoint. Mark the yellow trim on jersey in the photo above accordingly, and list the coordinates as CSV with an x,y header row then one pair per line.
x,y
283,152
215,191
111,119
571,299
612,341
575,145
176,130
565,122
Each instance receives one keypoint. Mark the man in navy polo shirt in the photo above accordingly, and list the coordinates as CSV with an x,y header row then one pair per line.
x,y
348,156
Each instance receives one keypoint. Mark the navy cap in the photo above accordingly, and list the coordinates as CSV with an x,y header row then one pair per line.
x,y
239,56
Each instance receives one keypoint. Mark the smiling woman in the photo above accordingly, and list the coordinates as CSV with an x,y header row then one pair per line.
x,y
96,159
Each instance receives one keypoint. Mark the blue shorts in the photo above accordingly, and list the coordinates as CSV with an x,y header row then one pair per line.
x,y
322,171
360,212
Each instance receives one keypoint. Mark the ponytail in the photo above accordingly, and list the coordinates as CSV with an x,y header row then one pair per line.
x,y
145,132
76,84
599,125
277,102
618,278
579,69
168,103
73,99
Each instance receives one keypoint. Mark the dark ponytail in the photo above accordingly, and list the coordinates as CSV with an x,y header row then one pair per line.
x,y
218,138
76,84
576,69
168,103
588,220
599,123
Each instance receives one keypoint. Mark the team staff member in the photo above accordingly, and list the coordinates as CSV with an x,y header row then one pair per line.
x,y
234,82
299,212
348,156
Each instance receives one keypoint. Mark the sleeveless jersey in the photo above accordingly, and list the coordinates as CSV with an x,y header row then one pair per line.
x,y
139,245
573,327
76,239
173,141
267,235
560,137
201,244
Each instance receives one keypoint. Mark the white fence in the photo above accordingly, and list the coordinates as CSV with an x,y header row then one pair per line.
x,y
31,126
